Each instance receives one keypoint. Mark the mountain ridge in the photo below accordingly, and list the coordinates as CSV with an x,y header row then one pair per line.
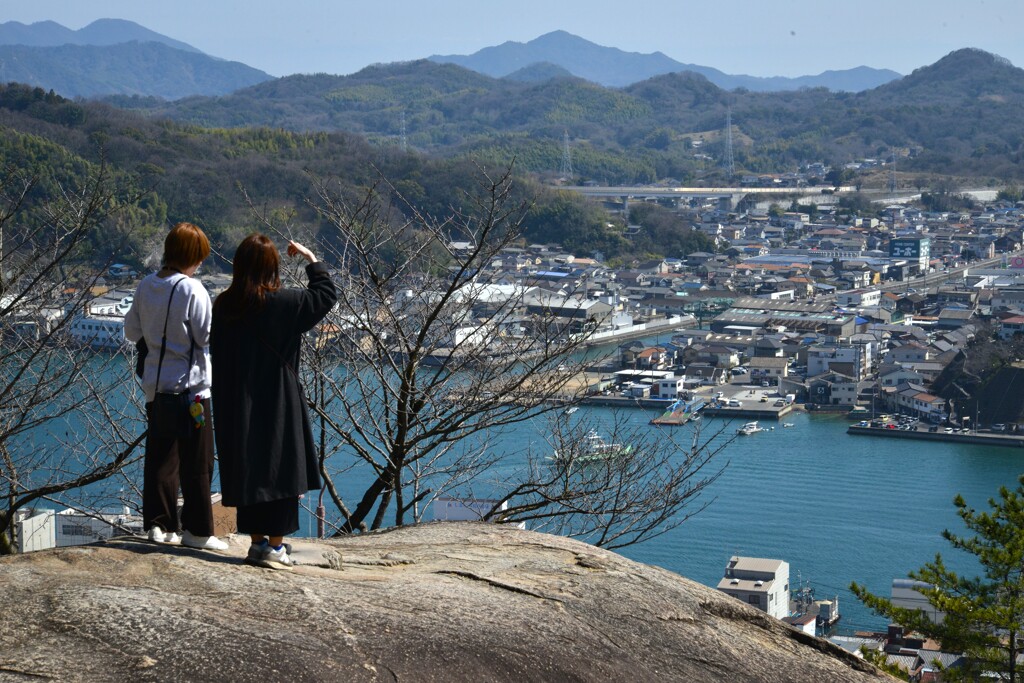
x,y
101,33
612,67
148,68
644,131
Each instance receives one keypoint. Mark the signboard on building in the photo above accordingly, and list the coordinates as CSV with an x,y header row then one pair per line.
x,y
913,248
902,248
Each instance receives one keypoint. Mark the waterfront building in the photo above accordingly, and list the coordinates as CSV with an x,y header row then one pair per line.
x,y
761,583
100,323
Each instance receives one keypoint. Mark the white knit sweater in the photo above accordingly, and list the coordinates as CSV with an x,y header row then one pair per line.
x,y
189,319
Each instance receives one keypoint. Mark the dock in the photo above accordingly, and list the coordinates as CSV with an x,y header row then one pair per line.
x,y
749,399
977,438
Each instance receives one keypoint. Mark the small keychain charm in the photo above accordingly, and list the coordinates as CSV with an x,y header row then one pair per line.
x,y
196,411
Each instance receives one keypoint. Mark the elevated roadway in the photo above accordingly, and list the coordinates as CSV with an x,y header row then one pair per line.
x,y
661,192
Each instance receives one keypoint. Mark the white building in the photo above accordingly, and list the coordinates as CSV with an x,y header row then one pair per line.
x,y
859,298
101,324
759,582
40,529
671,387
849,359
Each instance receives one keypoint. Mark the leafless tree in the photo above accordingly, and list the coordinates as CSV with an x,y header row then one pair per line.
x,y
435,354
66,415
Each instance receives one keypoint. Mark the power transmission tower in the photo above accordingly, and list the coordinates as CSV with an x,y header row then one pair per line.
x,y
730,169
566,157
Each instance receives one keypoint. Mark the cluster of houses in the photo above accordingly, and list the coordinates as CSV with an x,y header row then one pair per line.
x,y
816,308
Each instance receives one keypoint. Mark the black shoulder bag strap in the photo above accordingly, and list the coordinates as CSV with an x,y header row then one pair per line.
x,y
163,341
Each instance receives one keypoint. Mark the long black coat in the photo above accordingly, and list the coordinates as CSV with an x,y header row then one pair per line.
x,y
264,440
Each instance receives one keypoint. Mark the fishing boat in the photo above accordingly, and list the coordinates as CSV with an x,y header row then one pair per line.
x,y
749,428
680,412
788,424
594,448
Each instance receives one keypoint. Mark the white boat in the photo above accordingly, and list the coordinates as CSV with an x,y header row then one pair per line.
x,y
593,447
571,409
748,429
788,424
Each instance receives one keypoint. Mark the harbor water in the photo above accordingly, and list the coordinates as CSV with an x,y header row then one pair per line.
x,y
838,508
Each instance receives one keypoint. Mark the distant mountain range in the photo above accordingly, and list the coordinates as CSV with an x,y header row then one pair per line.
x,y
95,61
111,56
612,67
99,32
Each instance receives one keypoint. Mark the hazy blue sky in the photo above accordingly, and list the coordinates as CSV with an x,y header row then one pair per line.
x,y
779,38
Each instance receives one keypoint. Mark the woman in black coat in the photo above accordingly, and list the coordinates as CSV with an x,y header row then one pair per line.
x,y
263,434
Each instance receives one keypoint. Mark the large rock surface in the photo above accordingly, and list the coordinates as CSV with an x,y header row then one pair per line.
x,y
439,602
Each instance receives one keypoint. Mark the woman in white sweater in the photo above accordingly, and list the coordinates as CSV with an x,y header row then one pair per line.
x,y
172,312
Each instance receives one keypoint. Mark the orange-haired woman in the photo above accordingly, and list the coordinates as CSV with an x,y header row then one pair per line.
x,y
172,312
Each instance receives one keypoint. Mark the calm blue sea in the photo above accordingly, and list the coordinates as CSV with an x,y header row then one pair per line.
x,y
837,508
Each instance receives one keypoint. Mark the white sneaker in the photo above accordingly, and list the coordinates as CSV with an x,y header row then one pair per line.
x,y
276,559
202,542
158,535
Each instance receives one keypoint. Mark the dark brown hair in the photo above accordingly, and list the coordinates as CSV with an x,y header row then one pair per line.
x,y
185,245
255,272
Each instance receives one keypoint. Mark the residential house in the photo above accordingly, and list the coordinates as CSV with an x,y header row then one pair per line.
x,y
833,389
911,399
762,583
768,368
952,318
911,352
709,374
1008,327
893,375
849,359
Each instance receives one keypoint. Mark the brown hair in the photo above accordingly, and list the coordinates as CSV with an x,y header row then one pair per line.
x,y
185,245
255,272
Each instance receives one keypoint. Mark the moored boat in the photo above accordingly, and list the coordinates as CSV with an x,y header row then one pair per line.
x,y
593,447
749,428
680,412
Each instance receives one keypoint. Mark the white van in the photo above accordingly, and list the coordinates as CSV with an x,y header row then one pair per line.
x,y
733,403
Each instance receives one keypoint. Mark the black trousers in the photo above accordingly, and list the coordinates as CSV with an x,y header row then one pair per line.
x,y
273,518
185,461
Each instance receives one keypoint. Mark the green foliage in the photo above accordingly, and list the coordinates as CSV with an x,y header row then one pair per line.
x,y
810,209
984,615
1010,194
947,201
857,204
664,233
959,113
877,657
209,175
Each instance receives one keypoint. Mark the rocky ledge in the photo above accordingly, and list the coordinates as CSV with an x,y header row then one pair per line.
x,y
438,602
